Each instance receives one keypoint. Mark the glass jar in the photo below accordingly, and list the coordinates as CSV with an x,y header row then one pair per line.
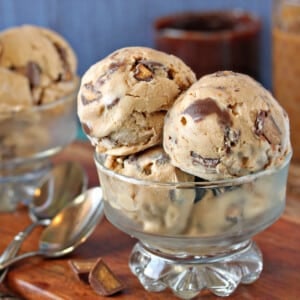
x,y
286,64
211,41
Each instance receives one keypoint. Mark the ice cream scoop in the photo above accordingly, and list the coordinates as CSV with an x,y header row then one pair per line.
x,y
37,66
226,125
124,97
38,83
156,210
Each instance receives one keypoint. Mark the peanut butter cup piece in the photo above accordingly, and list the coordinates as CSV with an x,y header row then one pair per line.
x,y
265,126
33,73
103,280
90,94
143,73
82,268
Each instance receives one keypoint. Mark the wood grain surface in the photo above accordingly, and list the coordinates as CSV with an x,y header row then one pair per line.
x,y
39,278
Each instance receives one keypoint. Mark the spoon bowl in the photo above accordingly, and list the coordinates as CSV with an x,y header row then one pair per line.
x,y
73,225
69,228
58,188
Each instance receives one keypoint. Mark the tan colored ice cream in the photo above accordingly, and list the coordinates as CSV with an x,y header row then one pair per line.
x,y
226,125
124,97
37,67
157,210
222,210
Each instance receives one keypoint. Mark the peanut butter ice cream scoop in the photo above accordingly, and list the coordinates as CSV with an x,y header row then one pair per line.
x,y
124,97
37,69
37,66
226,125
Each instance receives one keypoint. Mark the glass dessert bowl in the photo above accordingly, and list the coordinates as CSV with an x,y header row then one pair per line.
x,y
194,236
29,138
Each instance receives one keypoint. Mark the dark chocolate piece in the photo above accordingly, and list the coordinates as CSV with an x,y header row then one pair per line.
x,y
265,126
33,73
171,74
63,57
152,65
82,268
90,87
112,68
147,169
231,138
113,103
86,101
132,159
259,122
62,52
209,163
234,108
162,159
199,192
86,128
83,265
221,87
222,190
204,107
93,93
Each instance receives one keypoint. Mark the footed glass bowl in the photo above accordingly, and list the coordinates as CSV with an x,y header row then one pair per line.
x,y
194,236
28,139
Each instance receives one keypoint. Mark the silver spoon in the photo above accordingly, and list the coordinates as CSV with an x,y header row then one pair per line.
x,y
69,228
60,186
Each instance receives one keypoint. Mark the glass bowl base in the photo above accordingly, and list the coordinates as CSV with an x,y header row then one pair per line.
x,y
187,277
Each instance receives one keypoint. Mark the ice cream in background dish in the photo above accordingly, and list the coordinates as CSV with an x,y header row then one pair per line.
x,y
37,66
226,125
37,69
124,97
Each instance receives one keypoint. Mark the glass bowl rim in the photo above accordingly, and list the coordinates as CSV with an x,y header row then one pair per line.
x,y
17,161
21,161
36,108
192,184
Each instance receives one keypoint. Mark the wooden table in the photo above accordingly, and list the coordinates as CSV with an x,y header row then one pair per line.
x,y
38,278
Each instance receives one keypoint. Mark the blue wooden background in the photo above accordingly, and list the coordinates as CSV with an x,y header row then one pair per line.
x,y
97,27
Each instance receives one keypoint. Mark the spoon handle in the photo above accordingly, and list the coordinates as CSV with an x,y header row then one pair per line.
x,y
16,259
13,248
